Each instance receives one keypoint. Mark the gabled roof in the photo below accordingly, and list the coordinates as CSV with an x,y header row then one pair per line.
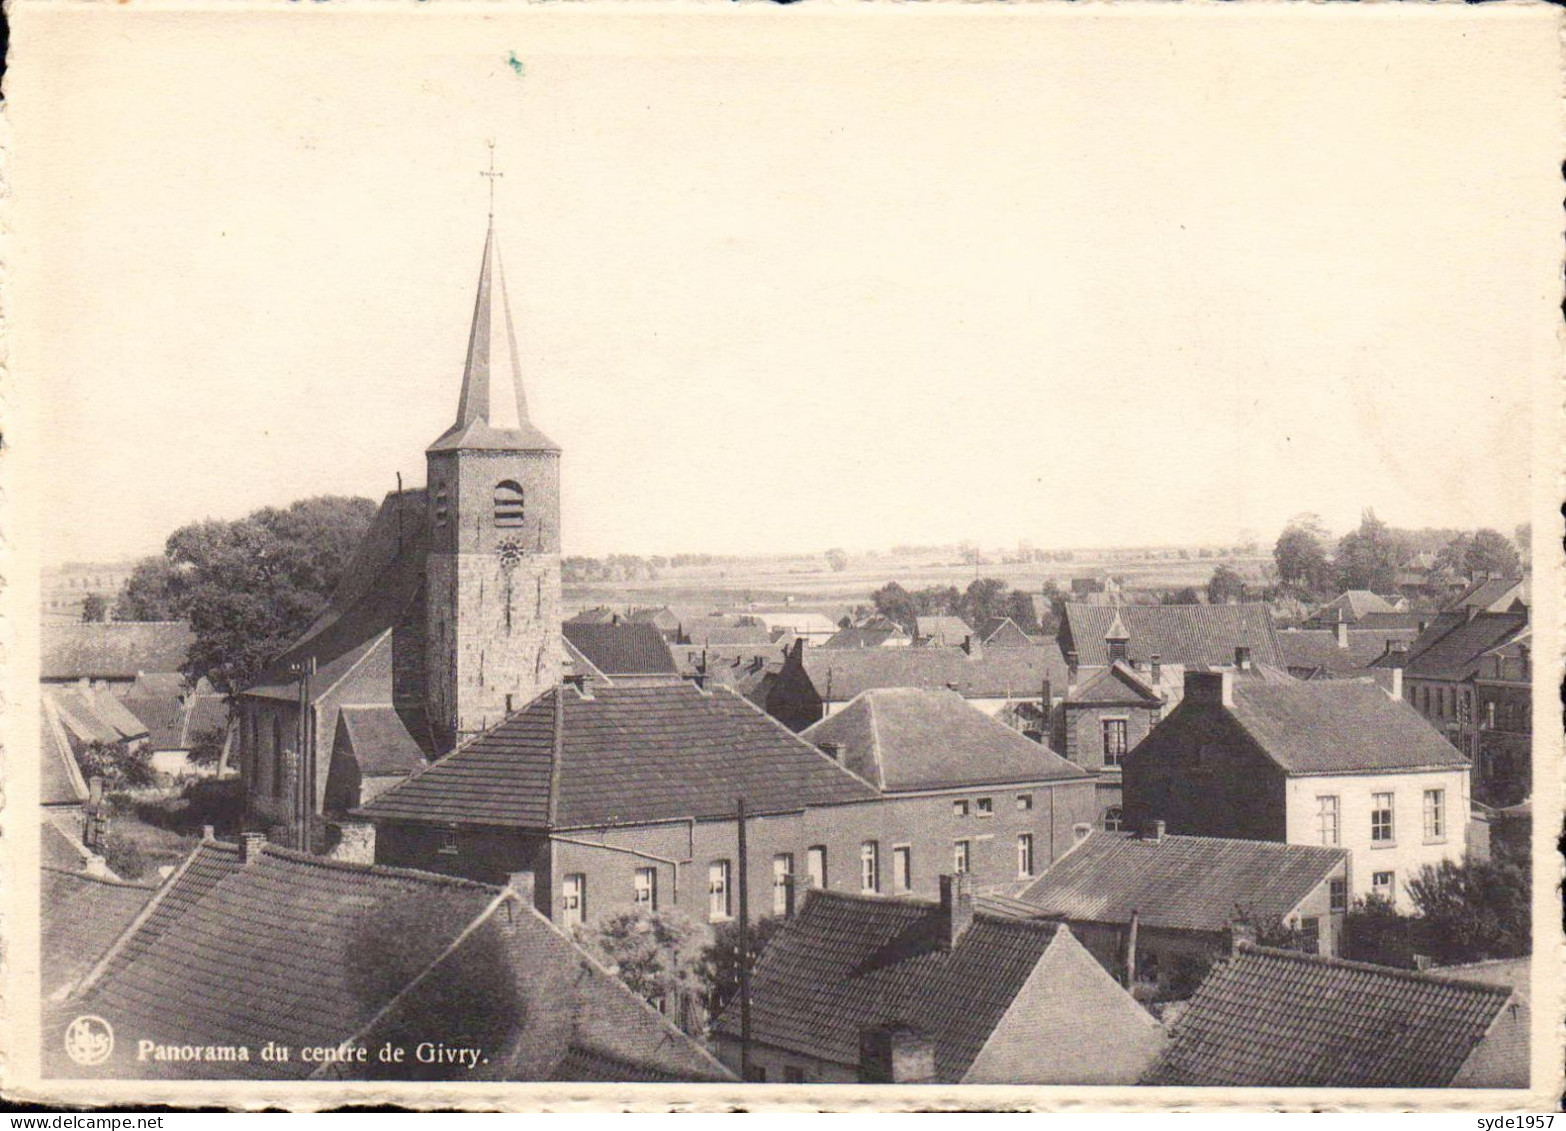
x,y
113,650
1452,647
1002,632
1350,606
600,615
93,714
711,632
1116,685
622,649
1316,651
81,916
1279,1019
998,673
1178,634
1188,883
380,741
942,629
864,636
909,739
162,715
60,778
306,951
1339,726
1492,595
622,755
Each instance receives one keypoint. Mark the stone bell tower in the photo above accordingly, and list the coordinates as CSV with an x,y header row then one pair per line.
x,y
492,578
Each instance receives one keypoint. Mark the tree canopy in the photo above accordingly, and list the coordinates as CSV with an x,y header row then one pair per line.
x,y
1225,585
984,598
1301,554
1369,556
249,586
1484,551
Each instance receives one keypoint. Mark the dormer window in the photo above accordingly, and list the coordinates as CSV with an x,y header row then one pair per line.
x,y
509,510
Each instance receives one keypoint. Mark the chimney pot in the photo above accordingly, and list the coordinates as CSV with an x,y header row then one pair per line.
x,y
1157,668
251,846
1215,688
1157,833
957,904
208,832
896,1054
1241,935
1343,637
1242,657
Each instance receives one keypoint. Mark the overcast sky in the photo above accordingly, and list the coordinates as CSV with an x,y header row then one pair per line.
x,y
787,278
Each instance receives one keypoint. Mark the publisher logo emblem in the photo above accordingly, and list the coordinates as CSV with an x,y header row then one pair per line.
x,y
89,1040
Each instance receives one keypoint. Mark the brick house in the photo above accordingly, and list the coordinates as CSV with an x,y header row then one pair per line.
x,y
916,991
1338,763
1101,720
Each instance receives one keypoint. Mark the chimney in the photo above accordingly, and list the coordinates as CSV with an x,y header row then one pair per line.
x,y
1397,683
957,904
1215,688
971,645
1242,657
250,846
833,750
1155,834
1047,696
1241,935
1071,666
1342,634
208,832
1157,669
522,884
896,1054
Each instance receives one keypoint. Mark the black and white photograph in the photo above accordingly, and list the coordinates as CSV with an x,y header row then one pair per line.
x,y
708,554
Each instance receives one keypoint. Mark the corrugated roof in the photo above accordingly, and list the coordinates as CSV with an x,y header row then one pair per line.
x,y
910,738
113,650
1186,883
998,673
1279,1019
849,962
1339,726
627,755
622,649
1178,634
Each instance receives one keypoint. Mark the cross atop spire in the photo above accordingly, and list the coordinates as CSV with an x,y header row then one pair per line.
x,y
491,174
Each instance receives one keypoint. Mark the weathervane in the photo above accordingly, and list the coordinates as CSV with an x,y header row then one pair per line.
x,y
491,174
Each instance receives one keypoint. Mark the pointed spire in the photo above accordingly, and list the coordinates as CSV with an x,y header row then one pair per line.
x,y
492,411
1117,629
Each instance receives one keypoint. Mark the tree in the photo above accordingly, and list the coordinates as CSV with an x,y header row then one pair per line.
x,y
720,965
120,766
1374,932
893,602
1369,557
250,586
984,598
1226,585
206,746
657,954
1185,596
1301,554
1484,552
1473,911
837,559
94,609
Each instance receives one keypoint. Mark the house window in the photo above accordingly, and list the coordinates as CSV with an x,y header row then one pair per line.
x,y
986,807
509,510
1310,935
448,844
573,899
1489,715
1114,820
1024,802
1337,895
1381,818
783,884
960,856
646,893
815,866
793,1074
869,866
1329,820
1024,855
959,808
1381,884
902,868
718,890
1114,741
1435,814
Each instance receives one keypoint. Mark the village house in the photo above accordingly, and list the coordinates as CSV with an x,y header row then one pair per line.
x,y
1184,635
906,991
1340,652
810,626
942,631
1281,1019
1349,607
623,797
628,654
1015,806
112,654
1003,632
1488,594
249,944
1146,905
875,632
1337,763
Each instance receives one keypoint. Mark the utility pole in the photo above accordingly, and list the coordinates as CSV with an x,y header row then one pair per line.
x,y
304,792
744,944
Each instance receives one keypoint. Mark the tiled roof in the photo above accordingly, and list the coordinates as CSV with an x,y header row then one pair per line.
x,y
113,650
864,636
1002,632
1115,685
60,781
1281,1019
311,952
848,962
1317,651
80,917
93,714
163,716
1178,634
622,649
624,755
159,685
381,743
997,673
1495,594
719,635
1339,726
909,738
1450,649
942,629
1188,883
1350,606
600,615
1396,621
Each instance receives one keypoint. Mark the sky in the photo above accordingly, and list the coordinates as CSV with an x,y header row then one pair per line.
x,y
792,278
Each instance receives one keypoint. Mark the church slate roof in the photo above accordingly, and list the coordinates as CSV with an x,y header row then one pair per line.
x,y
909,739
1178,634
1188,883
622,755
113,650
1280,1019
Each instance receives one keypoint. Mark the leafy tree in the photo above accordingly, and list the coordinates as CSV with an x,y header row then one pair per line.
x,y
1185,596
657,954
1523,537
984,598
894,602
1482,552
206,746
1301,554
157,589
1369,557
837,559
117,764
1374,931
720,965
123,856
94,609
1225,585
1472,911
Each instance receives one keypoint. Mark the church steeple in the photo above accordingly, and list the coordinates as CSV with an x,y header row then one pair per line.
x,y
492,410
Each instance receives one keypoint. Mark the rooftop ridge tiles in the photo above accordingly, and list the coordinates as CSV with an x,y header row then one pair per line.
x,y
388,871
1420,977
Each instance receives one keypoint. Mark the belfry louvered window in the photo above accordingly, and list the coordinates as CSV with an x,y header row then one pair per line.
x,y
509,510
